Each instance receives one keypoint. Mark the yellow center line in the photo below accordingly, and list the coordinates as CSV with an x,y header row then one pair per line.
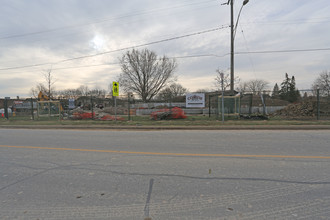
x,y
169,154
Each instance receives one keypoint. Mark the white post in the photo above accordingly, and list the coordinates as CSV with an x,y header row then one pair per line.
x,y
115,108
222,100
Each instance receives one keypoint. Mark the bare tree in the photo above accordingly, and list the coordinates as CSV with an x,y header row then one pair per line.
x,y
83,90
48,88
323,83
173,90
202,91
50,81
70,93
255,86
38,88
226,80
98,92
144,73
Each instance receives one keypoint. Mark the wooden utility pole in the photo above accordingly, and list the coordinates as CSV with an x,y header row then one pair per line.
x,y
232,46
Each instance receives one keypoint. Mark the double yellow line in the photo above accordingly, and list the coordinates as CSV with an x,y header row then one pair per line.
x,y
168,154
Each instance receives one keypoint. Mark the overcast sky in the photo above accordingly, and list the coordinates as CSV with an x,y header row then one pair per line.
x,y
38,35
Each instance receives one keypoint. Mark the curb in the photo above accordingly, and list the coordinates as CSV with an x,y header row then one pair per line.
x,y
223,127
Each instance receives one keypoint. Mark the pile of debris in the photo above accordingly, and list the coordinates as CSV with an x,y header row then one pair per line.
x,y
305,108
83,115
113,110
164,114
80,114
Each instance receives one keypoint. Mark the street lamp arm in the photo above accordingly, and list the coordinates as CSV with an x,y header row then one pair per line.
x,y
235,27
239,15
232,37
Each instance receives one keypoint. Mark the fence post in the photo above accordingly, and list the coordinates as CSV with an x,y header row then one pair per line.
x,y
115,97
49,109
318,103
32,109
6,107
222,99
92,108
38,110
218,107
263,104
250,104
209,106
129,107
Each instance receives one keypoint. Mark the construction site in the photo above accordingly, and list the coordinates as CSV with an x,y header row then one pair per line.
x,y
239,107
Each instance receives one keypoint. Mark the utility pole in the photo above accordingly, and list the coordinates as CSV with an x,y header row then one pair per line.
x,y
232,39
232,46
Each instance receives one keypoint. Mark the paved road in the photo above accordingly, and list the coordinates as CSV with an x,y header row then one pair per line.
x,y
70,174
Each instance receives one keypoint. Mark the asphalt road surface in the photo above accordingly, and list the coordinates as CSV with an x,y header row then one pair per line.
x,y
72,174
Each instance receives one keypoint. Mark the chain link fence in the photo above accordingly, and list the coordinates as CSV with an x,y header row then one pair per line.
x,y
22,109
309,105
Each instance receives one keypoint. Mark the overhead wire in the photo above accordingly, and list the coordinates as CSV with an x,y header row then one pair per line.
x,y
284,51
117,50
247,48
290,21
65,35
117,63
207,55
184,57
102,21
160,41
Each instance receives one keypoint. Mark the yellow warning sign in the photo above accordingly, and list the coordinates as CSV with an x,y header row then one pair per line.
x,y
115,88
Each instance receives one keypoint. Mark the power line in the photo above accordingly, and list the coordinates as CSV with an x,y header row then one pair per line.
x,y
108,64
201,55
182,57
143,45
117,50
218,56
71,33
291,21
247,48
284,51
85,66
103,20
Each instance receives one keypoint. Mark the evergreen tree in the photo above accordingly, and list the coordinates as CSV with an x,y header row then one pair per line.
x,y
276,92
288,89
284,87
305,96
293,93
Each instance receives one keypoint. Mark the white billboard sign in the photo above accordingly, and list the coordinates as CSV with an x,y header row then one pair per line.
x,y
195,100
71,104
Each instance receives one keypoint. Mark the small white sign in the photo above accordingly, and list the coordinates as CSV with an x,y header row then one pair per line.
x,y
71,104
195,100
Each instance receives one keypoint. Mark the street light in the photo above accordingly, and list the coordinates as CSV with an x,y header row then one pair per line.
x,y
239,15
232,38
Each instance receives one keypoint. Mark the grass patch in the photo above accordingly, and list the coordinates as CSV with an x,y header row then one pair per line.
x,y
146,121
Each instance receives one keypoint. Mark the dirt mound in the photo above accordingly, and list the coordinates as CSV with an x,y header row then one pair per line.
x,y
305,108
